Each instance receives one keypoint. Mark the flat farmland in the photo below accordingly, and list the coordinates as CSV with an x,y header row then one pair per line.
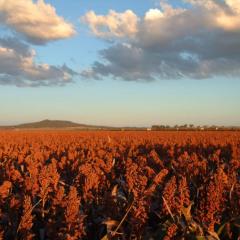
x,y
119,185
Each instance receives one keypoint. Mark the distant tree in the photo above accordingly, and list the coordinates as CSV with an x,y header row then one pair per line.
x,y
183,126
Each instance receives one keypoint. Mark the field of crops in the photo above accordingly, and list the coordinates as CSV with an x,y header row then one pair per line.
x,y
119,185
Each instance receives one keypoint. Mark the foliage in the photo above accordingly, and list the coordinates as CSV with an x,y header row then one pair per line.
x,y
119,185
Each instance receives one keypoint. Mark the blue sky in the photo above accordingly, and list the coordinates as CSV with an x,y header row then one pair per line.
x,y
202,89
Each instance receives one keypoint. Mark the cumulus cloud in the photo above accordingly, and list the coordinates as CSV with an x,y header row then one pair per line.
x,y
37,21
18,67
198,41
153,14
112,25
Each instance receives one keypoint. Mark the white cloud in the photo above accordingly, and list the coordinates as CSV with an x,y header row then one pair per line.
x,y
223,14
37,21
113,24
19,68
153,14
234,5
198,41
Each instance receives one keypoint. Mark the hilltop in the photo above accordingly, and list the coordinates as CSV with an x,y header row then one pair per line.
x,y
46,124
51,124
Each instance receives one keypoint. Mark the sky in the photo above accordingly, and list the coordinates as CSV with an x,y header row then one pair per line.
x,y
120,63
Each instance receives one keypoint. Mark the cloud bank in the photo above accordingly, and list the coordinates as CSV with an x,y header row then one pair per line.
x,y
199,41
18,67
31,22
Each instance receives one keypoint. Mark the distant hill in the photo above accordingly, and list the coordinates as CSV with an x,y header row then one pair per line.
x,y
53,124
60,124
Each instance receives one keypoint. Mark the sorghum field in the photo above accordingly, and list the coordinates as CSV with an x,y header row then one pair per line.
x,y
119,185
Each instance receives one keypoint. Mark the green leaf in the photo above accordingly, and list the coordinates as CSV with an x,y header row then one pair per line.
x,y
187,212
214,235
105,237
201,238
219,231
